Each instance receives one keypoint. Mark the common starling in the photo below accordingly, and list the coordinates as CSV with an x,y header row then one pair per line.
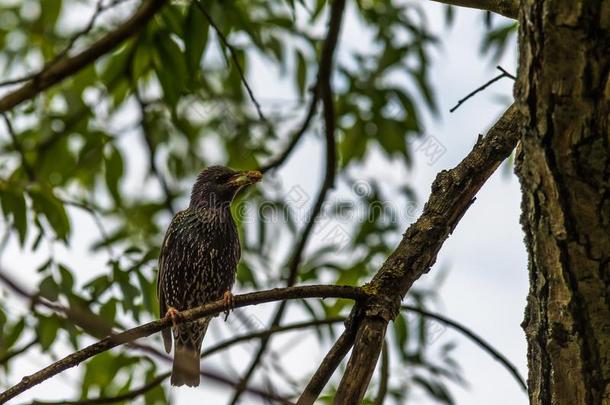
x,y
198,262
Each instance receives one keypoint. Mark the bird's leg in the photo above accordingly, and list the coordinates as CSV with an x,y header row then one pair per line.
x,y
229,302
172,313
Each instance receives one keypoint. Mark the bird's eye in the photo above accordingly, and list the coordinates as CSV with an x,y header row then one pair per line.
x,y
223,178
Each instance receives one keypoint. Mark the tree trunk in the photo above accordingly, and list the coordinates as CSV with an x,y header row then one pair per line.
x,y
564,168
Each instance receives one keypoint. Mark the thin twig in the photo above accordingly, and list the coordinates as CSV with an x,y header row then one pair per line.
x,y
330,363
111,400
68,66
96,216
479,341
17,145
483,87
148,141
294,139
501,69
9,355
208,374
214,308
324,87
507,8
240,70
278,329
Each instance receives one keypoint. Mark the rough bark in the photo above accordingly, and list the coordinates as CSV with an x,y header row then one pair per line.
x,y
564,168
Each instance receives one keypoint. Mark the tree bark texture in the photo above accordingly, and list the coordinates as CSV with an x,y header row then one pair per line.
x,y
563,93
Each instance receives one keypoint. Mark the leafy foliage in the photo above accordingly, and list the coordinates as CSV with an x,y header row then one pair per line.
x,y
170,101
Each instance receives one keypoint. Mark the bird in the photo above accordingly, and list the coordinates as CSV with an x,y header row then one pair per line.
x,y
198,264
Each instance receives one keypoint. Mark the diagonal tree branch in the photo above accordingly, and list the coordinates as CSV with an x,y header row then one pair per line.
x,y
99,327
68,66
323,86
99,10
453,192
507,8
214,308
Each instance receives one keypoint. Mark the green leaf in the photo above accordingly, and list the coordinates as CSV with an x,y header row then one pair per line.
x,y
353,144
171,68
98,285
195,38
48,288
8,340
108,310
117,64
301,73
13,204
141,60
45,203
47,330
49,14
401,333
67,280
114,172
148,291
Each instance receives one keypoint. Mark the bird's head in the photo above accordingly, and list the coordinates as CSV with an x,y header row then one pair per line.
x,y
216,186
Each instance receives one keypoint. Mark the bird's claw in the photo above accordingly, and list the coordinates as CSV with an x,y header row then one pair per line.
x,y
229,303
172,313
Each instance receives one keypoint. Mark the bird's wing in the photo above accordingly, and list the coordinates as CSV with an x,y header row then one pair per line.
x,y
165,246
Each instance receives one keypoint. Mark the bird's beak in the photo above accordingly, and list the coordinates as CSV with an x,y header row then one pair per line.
x,y
245,178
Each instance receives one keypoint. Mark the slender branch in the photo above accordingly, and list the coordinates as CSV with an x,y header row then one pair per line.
x,y
278,329
210,375
507,8
214,308
240,70
330,363
483,87
478,340
453,192
94,325
9,355
111,400
148,141
17,145
68,66
324,87
294,139
361,364
95,214
385,375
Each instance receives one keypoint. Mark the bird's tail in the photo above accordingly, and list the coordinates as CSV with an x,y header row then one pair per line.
x,y
185,370
187,346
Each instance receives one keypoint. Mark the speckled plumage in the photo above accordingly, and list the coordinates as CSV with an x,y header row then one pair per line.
x,y
198,263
